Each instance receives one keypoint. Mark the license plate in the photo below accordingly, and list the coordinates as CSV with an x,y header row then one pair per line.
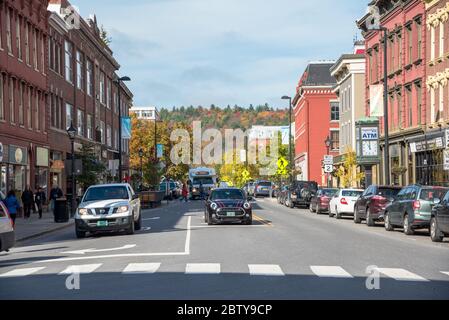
x,y
102,223
230,214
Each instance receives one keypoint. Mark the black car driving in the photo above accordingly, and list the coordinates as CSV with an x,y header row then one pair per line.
x,y
300,194
228,205
439,221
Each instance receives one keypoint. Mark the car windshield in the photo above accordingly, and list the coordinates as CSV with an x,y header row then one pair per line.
x,y
351,193
329,192
265,184
388,192
232,194
431,194
203,180
106,193
306,185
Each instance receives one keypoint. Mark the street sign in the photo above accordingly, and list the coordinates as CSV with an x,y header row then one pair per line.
x,y
328,168
328,160
282,163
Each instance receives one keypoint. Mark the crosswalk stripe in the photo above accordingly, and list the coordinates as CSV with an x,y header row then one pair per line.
x,y
400,274
137,268
82,268
21,272
445,272
265,270
330,271
202,268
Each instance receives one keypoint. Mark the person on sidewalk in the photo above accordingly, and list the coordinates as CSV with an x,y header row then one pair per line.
x,y
40,200
28,201
184,193
13,205
55,193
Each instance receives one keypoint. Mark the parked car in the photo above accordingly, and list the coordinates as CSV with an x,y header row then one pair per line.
x,y
439,220
263,188
343,202
7,236
282,194
250,188
372,203
412,208
320,202
108,207
300,193
228,205
174,191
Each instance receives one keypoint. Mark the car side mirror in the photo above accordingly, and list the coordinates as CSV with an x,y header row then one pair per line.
x,y
436,201
135,196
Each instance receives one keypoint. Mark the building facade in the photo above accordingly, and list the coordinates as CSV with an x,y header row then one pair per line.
x,y
145,113
405,21
349,72
316,113
83,91
24,145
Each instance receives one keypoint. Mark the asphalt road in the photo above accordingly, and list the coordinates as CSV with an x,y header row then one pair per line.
x,y
285,254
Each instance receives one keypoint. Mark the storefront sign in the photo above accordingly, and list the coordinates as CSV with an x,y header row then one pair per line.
x,y
18,155
57,166
431,144
446,159
41,157
370,133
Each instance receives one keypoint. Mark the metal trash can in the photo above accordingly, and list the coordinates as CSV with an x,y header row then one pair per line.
x,y
61,213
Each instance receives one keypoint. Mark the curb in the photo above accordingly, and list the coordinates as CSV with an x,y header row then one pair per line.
x,y
71,223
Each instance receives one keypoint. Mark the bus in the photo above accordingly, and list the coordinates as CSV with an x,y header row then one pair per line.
x,y
201,176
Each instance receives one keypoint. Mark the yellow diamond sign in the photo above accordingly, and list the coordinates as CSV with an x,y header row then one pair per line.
x,y
282,163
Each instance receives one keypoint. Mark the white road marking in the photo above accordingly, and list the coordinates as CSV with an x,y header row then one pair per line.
x,y
84,251
400,274
146,228
187,245
21,272
445,272
155,218
203,268
330,271
265,270
82,268
141,268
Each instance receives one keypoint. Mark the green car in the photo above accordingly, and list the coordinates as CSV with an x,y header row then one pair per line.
x,y
412,207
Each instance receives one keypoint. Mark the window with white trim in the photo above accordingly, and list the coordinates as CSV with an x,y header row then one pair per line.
x,y
79,70
2,101
80,123
68,61
8,30
68,115
18,38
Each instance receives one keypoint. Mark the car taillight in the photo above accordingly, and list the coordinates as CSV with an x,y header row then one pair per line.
x,y
343,201
416,204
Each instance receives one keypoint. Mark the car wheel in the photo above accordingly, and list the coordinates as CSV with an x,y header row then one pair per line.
x,y
388,225
209,220
318,210
357,219
80,234
369,218
311,208
138,224
131,228
331,215
249,221
291,205
337,214
406,226
205,217
435,234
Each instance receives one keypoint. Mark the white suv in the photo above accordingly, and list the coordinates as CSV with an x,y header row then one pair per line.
x,y
108,207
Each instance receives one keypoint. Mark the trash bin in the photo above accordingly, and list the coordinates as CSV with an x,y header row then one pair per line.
x,y
61,212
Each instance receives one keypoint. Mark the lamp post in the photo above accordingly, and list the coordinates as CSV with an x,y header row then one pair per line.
x,y
118,82
141,166
290,158
328,143
71,131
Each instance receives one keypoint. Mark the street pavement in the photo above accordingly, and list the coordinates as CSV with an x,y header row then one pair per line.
x,y
286,254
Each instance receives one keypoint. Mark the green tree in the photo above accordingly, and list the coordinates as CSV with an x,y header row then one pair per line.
x,y
93,169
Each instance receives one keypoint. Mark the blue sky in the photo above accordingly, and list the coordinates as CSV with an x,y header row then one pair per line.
x,y
203,52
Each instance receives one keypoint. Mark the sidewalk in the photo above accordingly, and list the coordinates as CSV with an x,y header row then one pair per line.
x,y
35,227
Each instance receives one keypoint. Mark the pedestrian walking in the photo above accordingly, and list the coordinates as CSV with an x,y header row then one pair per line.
x,y
55,193
12,204
40,199
184,192
28,201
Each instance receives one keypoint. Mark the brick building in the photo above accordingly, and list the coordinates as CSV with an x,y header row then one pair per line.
x,y
316,118
82,90
406,55
24,146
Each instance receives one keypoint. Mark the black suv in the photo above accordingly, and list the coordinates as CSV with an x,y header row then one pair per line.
x,y
300,193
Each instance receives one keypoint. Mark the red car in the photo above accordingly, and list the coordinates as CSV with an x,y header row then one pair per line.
x,y
372,203
320,202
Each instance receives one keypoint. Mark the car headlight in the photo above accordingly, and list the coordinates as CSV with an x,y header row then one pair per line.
x,y
213,206
82,211
122,209
194,189
247,205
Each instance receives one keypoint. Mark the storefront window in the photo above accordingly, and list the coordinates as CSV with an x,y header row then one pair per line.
x,y
17,178
430,170
41,179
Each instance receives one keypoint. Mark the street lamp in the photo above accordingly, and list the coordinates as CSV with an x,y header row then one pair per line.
x,y
328,143
118,82
289,136
71,131
141,166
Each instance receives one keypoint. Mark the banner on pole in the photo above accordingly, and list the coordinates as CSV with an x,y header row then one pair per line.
x,y
376,93
160,150
126,128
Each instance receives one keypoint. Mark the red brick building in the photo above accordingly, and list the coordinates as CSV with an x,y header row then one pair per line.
x,y
316,118
24,146
406,24
83,90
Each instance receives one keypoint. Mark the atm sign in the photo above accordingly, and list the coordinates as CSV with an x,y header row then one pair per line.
x,y
370,133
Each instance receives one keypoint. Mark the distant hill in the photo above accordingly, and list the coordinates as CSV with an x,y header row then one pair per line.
x,y
227,117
